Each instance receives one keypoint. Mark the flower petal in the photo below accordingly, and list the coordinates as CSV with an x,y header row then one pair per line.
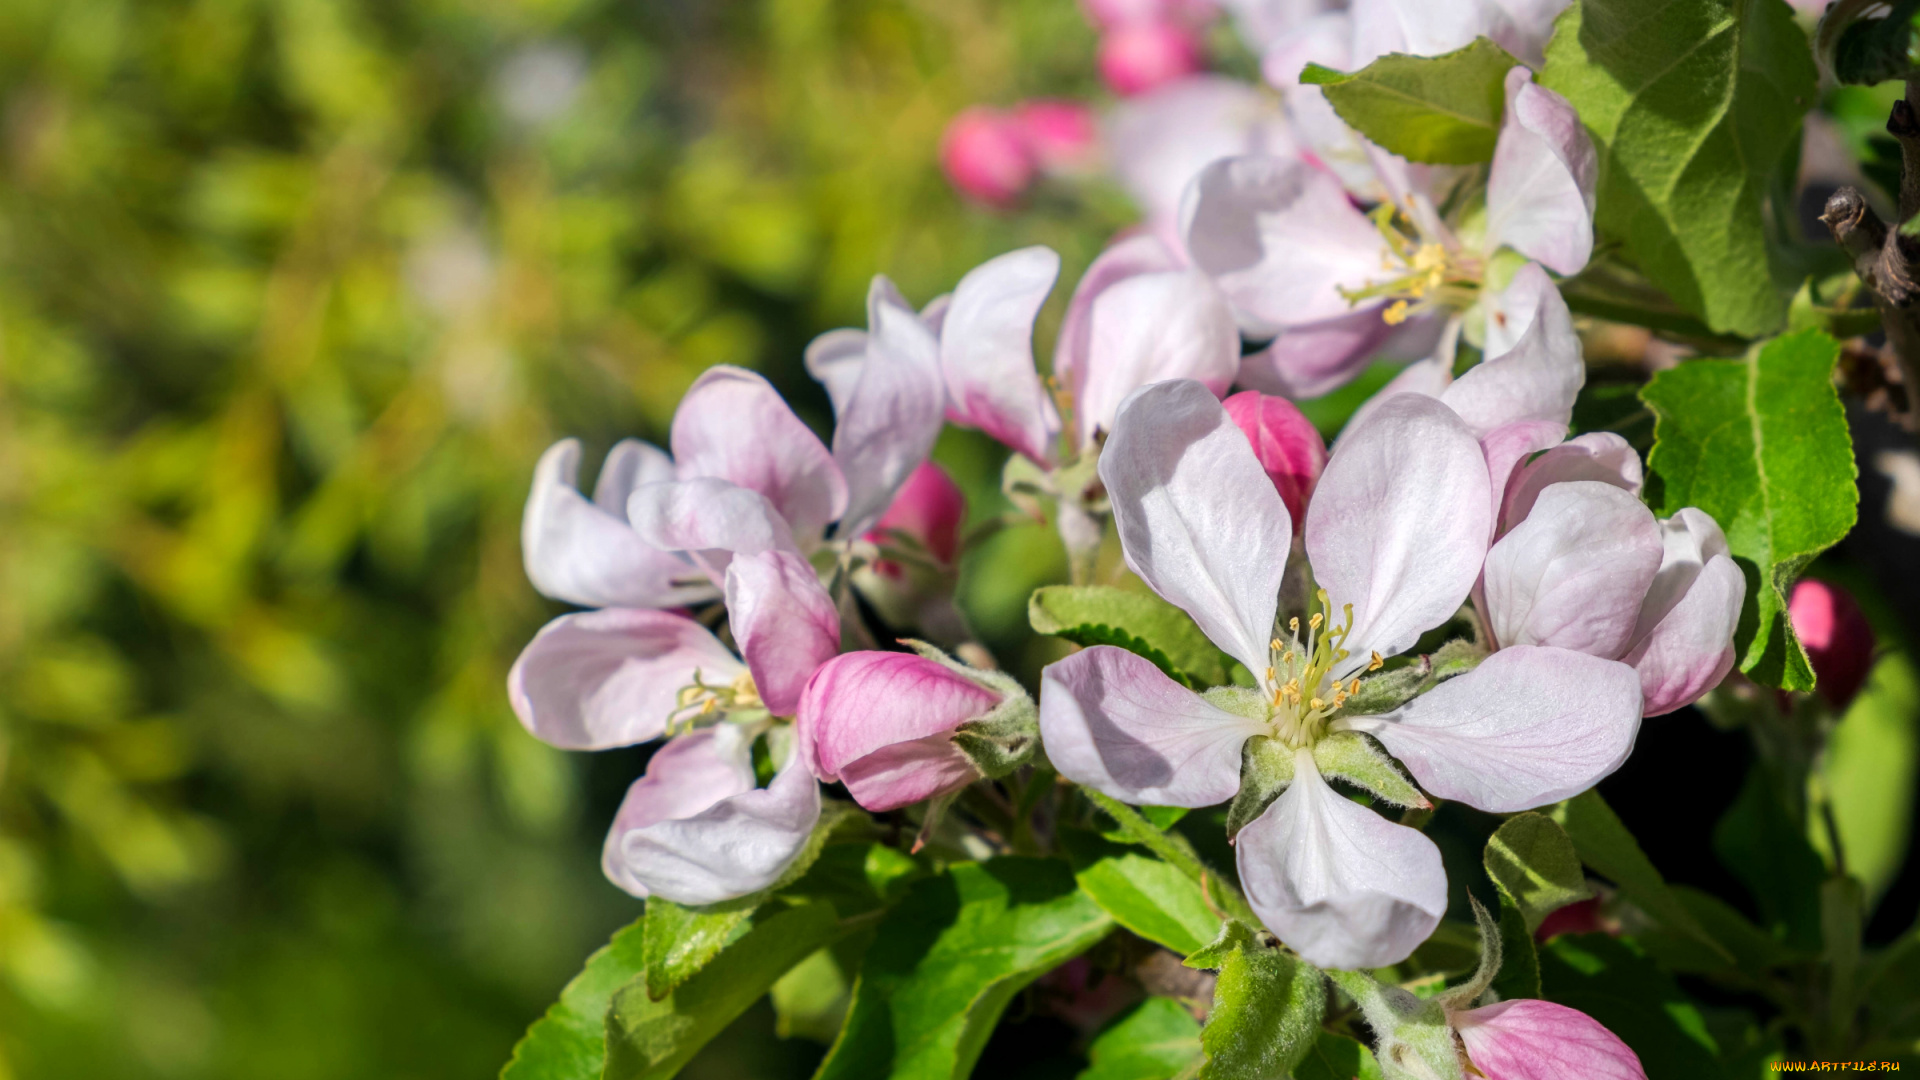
x,y
986,351
1510,444
905,773
1313,359
1429,377
1530,726
1398,526
687,775
1113,721
1280,238
1574,572
734,426
892,415
1415,27
597,679
1683,643
785,623
1540,194
1528,1039
1160,140
1198,519
1152,327
1598,455
1538,379
1339,884
584,552
1129,256
862,702
708,518
834,359
739,845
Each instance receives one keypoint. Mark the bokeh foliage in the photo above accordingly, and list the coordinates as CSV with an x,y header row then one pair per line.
x,y
292,294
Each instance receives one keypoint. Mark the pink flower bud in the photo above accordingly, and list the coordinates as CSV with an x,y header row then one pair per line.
x,y
1579,917
1288,445
986,157
1138,57
1063,136
1526,1039
882,723
1837,638
930,508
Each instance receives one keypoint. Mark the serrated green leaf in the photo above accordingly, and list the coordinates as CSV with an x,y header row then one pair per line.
x,y
949,958
1867,776
1146,895
649,1039
1761,444
1611,980
1336,1057
1873,50
1610,850
1266,1013
1136,621
1359,760
1444,110
1532,862
570,1041
1690,106
1155,1040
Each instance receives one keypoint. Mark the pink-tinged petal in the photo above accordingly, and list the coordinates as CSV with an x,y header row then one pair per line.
x,y
1149,328
862,702
1160,140
1317,358
584,552
687,775
1528,1039
1574,573
1540,193
892,415
1428,378
1689,539
1127,257
708,518
1144,56
1599,455
1325,139
629,464
1280,238
908,772
785,623
930,508
1838,639
1339,884
1286,443
1683,644
1538,379
834,359
733,426
739,845
986,351
598,679
1113,721
1398,526
985,156
1530,726
1197,517
1510,444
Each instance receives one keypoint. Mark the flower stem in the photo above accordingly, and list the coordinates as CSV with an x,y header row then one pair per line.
x,y
1178,853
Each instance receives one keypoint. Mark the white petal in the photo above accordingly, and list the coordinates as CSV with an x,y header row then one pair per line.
x,y
1690,650
1113,721
834,359
1161,139
1599,455
986,351
1317,358
1540,193
739,845
1429,378
687,775
1280,238
629,464
891,416
1151,327
1198,518
1129,256
784,622
584,552
1339,884
734,426
1574,572
1417,27
1688,540
710,519
597,679
1398,526
1530,726
1538,379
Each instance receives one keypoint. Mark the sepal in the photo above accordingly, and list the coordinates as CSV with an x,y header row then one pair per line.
x,y
1266,768
1360,760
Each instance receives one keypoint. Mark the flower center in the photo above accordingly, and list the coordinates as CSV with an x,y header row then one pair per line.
x,y
701,701
1302,693
1422,274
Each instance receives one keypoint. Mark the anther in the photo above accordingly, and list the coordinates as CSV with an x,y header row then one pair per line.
x,y
1314,623
1377,663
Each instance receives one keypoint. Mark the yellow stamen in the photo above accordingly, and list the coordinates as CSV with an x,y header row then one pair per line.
x,y
1314,623
1396,313
1377,663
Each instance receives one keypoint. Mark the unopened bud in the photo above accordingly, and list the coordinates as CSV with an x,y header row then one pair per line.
x,y
1062,136
986,157
1286,442
1837,637
1139,57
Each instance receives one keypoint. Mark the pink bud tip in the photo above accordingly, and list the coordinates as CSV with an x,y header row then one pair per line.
x,y
1138,57
930,508
1837,637
1579,917
1525,1039
1288,445
1063,136
882,723
986,156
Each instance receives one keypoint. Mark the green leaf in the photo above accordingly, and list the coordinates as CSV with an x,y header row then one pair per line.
x,y
1841,916
570,1041
1519,974
1266,1013
1155,1040
1611,980
1359,760
1765,845
1136,621
1867,776
1146,895
1761,444
1690,106
1876,50
1533,863
949,958
1336,1057
811,1001
1444,110
1754,950
1610,850
649,1039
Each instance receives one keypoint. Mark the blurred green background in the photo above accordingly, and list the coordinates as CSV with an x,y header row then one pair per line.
x,y
292,295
